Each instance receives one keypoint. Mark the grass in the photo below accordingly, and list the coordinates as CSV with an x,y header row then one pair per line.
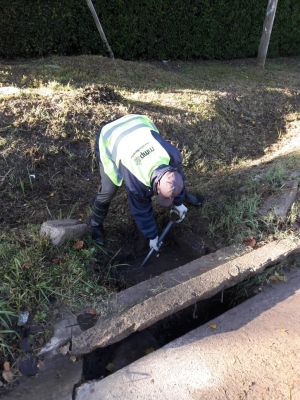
x,y
237,128
269,277
6,334
33,272
37,278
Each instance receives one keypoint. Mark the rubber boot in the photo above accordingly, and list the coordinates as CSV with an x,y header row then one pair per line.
x,y
99,213
195,200
98,233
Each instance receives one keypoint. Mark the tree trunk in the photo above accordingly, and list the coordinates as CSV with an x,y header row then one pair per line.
x,y
101,31
266,33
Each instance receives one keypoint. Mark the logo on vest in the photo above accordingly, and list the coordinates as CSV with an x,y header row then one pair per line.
x,y
138,159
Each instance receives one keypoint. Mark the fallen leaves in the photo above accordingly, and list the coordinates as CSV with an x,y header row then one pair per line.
x,y
250,241
282,330
295,225
7,374
6,366
212,326
41,364
110,367
64,350
79,245
150,350
273,278
58,259
277,277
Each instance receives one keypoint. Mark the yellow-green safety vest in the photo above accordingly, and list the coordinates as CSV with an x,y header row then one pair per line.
x,y
129,140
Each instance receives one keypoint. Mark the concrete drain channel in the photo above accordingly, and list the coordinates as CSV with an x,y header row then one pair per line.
x,y
155,312
146,317
104,361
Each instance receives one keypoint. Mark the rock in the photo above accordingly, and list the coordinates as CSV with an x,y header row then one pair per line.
x,y
63,229
280,203
29,367
9,90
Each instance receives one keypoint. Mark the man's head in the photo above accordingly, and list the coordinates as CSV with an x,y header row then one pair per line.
x,y
169,187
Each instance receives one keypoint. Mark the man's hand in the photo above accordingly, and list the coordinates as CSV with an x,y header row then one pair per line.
x,y
154,244
181,211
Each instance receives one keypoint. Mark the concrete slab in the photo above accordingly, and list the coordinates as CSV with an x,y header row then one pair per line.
x,y
61,230
66,327
142,305
253,353
55,381
280,203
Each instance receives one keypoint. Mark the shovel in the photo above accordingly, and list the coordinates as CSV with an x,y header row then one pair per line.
x,y
162,236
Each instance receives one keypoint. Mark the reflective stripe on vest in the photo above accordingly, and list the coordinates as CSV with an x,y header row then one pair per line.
x,y
139,152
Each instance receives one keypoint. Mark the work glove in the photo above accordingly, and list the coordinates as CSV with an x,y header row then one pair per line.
x,y
181,211
154,244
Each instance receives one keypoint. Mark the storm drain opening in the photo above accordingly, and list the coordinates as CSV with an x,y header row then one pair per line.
x,y
102,362
105,361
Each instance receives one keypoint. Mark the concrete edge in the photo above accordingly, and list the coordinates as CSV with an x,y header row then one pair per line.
x,y
157,284
151,310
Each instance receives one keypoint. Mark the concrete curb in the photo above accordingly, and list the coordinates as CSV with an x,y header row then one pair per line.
x,y
186,292
252,353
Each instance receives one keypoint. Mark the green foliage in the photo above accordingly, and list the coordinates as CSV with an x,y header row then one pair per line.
x,y
211,29
30,279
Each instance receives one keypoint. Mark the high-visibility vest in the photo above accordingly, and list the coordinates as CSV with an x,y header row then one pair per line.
x,y
129,140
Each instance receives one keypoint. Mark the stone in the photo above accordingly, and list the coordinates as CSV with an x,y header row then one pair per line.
x,y
280,203
62,230
142,305
9,90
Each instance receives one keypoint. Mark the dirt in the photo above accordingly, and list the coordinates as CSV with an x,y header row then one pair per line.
x,y
48,169
47,174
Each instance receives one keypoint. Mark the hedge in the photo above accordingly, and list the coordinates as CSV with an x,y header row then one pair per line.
x,y
147,29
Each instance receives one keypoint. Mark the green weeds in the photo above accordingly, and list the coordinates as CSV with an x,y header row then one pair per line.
x,y
275,176
255,284
36,278
6,333
237,218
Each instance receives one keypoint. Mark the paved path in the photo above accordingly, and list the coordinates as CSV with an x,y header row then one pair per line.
x,y
253,353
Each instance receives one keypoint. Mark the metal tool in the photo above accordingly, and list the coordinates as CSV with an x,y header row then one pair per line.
x,y
160,239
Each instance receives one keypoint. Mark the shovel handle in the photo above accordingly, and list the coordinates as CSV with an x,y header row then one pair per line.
x,y
160,239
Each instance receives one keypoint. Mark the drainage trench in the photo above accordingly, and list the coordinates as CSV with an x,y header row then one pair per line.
x,y
105,361
102,362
